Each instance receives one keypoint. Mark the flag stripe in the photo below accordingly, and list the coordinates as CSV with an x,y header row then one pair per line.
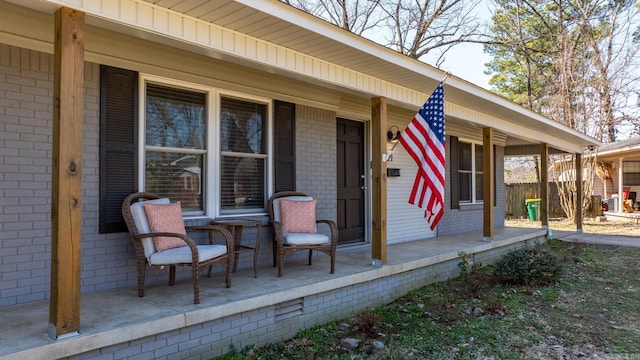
x,y
423,154
424,141
425,159
436,181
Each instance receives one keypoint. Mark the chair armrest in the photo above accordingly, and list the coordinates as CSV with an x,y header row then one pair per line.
x,y
227,236
223,230
333,227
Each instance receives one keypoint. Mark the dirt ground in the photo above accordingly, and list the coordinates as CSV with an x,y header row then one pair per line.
x,y
609,225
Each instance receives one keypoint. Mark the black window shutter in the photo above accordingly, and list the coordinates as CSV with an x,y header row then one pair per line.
x,y
285,146
455,187
118,145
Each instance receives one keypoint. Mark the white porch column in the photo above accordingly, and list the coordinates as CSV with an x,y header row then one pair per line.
x,y
620,184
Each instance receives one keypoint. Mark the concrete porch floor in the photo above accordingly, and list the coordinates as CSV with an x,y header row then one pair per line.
x,y
117,316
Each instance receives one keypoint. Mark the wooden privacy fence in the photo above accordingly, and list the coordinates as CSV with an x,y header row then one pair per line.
x,y
516,194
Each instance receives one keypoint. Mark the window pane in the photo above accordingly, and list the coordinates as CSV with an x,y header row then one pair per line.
x,y
479,194
242,183
631,166
465,186
175,118
241,126
464,156
176,176
631,179
479,159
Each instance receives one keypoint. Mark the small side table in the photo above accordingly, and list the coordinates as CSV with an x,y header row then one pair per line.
x,y
235,228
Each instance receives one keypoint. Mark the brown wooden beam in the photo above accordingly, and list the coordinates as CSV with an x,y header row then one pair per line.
x,y
544,185
578,204
487,182
379,184
66,194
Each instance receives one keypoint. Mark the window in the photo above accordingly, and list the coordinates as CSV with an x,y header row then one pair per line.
x,y
631,172
175,144
243,155
215,162
469,172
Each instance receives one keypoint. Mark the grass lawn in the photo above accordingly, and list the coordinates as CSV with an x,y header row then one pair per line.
x,y
592,311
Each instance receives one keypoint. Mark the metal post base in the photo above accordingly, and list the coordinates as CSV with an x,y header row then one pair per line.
x,y
51,331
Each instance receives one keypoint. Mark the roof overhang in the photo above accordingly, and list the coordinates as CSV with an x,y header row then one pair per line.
x,y
281,39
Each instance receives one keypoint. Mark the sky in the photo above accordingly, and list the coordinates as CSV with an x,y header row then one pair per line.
x,y
467,61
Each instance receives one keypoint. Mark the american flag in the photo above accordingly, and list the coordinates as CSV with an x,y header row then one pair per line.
x,y
424,141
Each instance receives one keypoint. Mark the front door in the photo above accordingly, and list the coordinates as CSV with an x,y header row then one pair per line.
x,y
351,181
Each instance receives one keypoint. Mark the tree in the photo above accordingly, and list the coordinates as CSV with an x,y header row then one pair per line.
x,y
357,16
605,171
419,28
412,27
572,61
563,173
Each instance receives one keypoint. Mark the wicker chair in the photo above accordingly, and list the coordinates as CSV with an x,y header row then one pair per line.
x,y
198,257
286,243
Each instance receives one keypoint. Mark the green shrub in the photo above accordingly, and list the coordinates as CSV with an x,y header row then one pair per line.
x,y
530,266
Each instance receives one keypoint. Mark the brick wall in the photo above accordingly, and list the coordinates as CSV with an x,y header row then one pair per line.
x,y
316,158
26,92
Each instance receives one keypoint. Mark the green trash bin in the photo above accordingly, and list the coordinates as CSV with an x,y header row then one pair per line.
x,y
533,208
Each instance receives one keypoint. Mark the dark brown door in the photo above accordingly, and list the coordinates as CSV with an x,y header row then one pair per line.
x,y
351,184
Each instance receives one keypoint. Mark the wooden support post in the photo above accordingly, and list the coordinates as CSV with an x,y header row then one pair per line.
x,y
578,204
487,182
379,184
66,194
544,185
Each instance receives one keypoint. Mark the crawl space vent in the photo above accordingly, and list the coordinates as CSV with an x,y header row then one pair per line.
x,y
289,309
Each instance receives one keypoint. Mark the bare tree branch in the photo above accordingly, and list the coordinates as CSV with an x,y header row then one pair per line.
x,y
412,27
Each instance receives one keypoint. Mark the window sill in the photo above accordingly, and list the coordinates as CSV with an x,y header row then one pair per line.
x,y
471,207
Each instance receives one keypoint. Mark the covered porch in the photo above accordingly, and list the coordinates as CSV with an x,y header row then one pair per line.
x,y
166,324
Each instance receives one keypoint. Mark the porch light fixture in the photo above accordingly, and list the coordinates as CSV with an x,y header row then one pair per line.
x,y
393,135
591,147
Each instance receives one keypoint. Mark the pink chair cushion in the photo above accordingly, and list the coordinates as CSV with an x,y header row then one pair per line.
x,y
298,216
166,218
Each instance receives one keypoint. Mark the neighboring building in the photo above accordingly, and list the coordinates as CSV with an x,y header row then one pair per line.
x,y
621,162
